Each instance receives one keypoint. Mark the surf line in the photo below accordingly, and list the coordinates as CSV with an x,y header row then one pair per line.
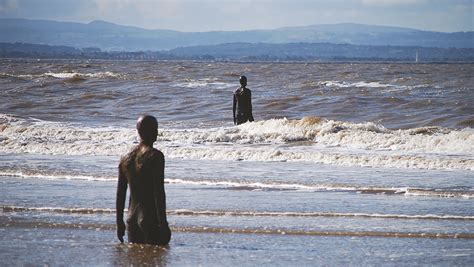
x,y
315,214
217,213
322,233
218,230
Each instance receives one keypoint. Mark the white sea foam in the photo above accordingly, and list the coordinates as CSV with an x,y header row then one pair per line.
x,y
243,185
327,187
258,186
340,84
270,131
66,75
324,157
316,214
20,76
387,87
69,75
206,82
329,133
53,176
56,209
43,137
309,139
233,184
215,213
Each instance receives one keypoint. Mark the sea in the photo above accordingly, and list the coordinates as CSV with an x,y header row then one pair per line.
x,y
345,163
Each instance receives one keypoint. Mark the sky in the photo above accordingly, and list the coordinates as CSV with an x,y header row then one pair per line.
x,y
217,15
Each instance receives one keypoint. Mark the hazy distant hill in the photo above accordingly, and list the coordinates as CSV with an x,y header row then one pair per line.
x,y
108,36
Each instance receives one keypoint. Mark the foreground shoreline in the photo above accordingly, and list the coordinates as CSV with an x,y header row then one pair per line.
x,y
58,246
47,221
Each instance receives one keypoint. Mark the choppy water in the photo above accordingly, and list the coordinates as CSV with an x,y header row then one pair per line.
x,y
355,150
393,95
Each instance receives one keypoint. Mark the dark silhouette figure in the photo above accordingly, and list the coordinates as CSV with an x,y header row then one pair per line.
x,y
242,107
143,170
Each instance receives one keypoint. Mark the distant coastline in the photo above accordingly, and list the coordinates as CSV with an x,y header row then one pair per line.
x,y
249,52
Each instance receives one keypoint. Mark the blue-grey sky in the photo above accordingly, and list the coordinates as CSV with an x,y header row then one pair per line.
x,y
209,15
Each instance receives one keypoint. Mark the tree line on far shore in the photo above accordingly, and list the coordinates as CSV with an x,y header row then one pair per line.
x,y
250,52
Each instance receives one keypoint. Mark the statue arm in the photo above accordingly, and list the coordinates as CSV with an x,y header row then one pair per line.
x,y
120,203
234,105
159,191
250,106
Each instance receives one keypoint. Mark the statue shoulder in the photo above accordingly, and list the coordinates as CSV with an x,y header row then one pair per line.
x,y
129,155
158,155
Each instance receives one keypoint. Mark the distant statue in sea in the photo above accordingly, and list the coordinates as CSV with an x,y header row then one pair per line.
x,y
143,170
242,107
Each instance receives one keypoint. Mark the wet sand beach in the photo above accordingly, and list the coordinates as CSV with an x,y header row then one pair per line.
x,y
44,224
55,246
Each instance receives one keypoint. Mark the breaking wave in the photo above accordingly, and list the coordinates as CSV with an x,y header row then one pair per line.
x,y
66,75
310,139
201,83
355,84
364,84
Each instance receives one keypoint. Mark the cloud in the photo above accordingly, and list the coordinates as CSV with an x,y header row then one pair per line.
x,y
7,5
209,15
390,2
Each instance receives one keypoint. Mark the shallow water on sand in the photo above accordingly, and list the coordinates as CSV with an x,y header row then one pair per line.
x,y
236,218
56,246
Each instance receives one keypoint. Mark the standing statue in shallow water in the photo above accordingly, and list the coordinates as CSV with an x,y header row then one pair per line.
x,y
242,107
143,170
